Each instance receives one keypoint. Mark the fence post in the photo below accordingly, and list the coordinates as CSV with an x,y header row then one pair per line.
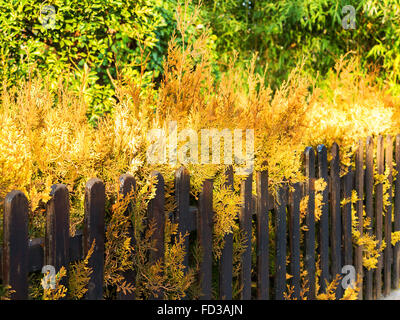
x,y
280,263
205,231
245,224
336,221
396,250
388,219
94,230
294,238
57,229
379,214
262,235
310,222
15,244
226,263
360,208
127,185
324,219
369,206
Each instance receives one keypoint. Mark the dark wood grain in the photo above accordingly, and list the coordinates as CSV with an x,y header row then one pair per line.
x,y
310,222
262,236
182,194
336,219
15,244
57,229
205,232
324,219
156,216
369,206
127,185
245,224
226,263
379,214
294,238
346,218
94,231
396,224
359,182
280,238
387,270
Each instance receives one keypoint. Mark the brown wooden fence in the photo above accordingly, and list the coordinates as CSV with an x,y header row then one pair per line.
x,y
330,238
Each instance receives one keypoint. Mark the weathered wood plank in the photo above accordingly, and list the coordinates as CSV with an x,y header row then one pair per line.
x,y
15,244
262,236
127,185
324,219
336,219
359,181
245,224
226,263
396,225
94,231
379,215
156,215
387,283
280,238
204,233
369,209
294,238
346,218
182,194
57,229
310,222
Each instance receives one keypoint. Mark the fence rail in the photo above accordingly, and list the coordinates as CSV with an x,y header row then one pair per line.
x,y
327,239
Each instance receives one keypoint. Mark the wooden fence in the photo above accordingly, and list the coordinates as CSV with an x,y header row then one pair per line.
x,y
330,238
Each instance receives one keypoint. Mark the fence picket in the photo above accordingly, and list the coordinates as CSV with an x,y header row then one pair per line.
x,y
127,185
94,231
379,214
396,226
262,235
156,216
294,238
57,229
336,220
226,263
324,219
205,231
310,222
346,218
359,181
15,244
369,210
280,238
182,193
387,283
245,224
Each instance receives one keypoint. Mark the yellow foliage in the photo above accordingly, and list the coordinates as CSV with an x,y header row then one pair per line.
x,y
60,291
79,276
